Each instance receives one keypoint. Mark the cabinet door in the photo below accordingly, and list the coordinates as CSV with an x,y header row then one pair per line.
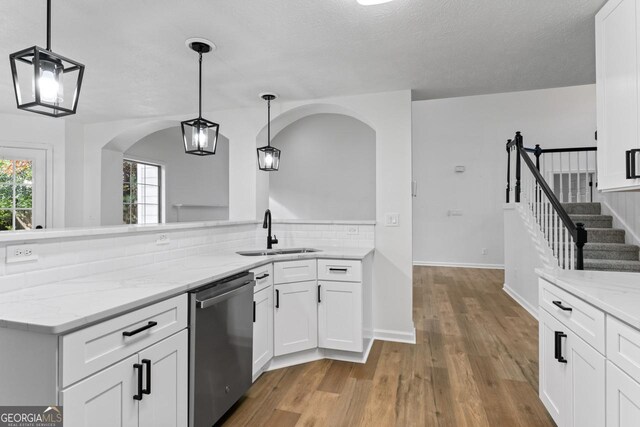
x,y
617,90
623,398
165,401
295,317
104,399
340,315
552,373
262,328
586,384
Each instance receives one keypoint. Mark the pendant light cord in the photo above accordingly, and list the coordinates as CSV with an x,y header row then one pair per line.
x,y
200,87
269,122
49,25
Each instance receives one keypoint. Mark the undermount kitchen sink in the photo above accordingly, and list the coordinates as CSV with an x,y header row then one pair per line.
x,y
264,252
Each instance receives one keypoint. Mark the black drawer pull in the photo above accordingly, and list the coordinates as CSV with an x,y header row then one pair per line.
x,y
558,346
343,270
319,299
264,276
254,312
147,389
139,368
277,298
631,163
562,307
149,325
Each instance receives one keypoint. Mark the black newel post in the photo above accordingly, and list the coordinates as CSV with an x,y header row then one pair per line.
x,y
580,241
508,168
518,147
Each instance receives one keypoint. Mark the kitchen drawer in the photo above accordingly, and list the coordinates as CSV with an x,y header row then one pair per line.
x,y
340,270
582,318
91,349
623,346
294,271
263,276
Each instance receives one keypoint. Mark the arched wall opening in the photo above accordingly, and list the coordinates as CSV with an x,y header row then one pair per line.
x,y
192,188
328,166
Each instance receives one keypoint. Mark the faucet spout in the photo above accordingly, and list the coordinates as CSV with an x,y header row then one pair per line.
x,y
266,223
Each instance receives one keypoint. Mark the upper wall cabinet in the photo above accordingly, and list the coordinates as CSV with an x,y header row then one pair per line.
x,y
618,83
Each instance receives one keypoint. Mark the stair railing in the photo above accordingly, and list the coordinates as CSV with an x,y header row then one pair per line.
x,y
565,238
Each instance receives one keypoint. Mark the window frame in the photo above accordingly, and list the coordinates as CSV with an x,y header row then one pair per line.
x,y
161,196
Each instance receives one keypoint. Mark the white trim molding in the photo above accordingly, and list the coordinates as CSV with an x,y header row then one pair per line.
x,y
457,265
395,336
517,298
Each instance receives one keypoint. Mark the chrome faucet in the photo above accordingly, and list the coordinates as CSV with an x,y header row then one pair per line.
x,y
266,223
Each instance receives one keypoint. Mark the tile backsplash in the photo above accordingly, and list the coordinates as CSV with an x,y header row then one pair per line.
x,y
64,258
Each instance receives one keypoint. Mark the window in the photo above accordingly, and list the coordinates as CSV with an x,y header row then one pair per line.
x,y
140,193
16,194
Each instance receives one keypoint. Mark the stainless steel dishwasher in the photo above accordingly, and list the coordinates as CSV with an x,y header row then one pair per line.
x,y
220,347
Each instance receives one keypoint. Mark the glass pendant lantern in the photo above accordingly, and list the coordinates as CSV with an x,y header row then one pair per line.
x,y
200,136
268,156
46,82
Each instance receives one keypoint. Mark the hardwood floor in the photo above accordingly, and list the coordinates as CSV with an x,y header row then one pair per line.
x,y
475,363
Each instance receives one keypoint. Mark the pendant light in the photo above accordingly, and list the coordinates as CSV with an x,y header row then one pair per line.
x,y
200,136
268,156
45,82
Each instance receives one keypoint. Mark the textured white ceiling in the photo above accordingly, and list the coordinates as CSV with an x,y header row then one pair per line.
x,y
138,65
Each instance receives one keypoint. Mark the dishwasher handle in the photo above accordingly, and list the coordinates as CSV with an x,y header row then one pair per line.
x,y
219,298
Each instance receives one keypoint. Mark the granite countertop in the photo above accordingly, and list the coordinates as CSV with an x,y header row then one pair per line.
x,y
615,293
61,307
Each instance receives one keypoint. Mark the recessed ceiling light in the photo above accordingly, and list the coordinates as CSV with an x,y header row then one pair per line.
x,y
372,2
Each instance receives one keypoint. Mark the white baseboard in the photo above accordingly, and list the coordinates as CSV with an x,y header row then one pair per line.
x,y
396,336
517,298
458,265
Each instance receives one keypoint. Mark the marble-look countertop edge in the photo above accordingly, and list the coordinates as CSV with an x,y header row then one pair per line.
x,y
251,263
565,281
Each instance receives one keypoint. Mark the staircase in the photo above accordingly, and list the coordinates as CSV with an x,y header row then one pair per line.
x,y
605,249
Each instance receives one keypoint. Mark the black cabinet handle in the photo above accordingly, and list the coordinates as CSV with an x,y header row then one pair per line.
x,y
147,389
344,270
140,329
561,307
558,349
319,299
264,276
139,368
631,163
277,298
254,312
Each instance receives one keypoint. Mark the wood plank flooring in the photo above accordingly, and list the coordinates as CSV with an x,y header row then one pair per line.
x,y
475,363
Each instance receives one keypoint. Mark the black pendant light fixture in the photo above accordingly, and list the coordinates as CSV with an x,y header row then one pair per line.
x,y
45,82
200,136
268,156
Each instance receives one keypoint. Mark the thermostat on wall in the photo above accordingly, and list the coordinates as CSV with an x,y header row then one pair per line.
x,y
460,169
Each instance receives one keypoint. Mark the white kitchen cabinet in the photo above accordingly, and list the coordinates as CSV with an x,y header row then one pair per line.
x,y
617,87
552,381
104,399
623,398
295,317
340,315
262,329
107,398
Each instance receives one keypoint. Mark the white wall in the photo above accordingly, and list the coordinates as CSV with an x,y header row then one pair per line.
x,y
188,179
624,206
472,132
327,172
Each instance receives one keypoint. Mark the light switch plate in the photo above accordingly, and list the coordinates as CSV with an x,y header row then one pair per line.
x,y
392,220
162,239
352,229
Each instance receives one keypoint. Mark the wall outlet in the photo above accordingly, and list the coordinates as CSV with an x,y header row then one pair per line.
x,y
454,212
460,169
392,220
162,239
22,253
352,229
484,251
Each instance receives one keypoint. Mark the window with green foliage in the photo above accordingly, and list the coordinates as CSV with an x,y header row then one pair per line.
x,y
140,193
16,194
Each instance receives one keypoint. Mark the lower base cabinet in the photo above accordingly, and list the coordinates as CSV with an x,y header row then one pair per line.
x,y
340,315
295,317
623,398
262,328
146,389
